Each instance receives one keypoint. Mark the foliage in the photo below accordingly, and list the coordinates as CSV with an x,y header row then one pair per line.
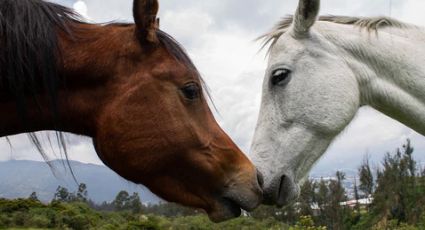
x,y
77,215
63,195
399,197
367,182
82,193
307,197
398,190
170,210
33,196
306,223
121,200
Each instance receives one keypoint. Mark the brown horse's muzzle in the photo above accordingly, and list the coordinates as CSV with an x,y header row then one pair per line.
x,y
240,194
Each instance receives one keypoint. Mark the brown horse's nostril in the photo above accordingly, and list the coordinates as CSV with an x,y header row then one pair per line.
x,y
260,179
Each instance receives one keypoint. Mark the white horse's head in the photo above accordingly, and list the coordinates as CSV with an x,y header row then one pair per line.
x,y
309,96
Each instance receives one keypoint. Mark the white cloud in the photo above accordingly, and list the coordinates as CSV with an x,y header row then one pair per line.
x,y
81,8
189,25
412,11
110,10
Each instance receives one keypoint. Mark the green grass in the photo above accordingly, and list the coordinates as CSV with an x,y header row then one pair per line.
x,y
26,228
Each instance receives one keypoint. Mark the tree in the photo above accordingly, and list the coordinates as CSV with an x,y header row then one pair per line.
x,y
322,194
367,182
408,156
322,198
398,195
82,193
307,197
33,196
134,204
334,210
356,196
330,196
121,200
61,194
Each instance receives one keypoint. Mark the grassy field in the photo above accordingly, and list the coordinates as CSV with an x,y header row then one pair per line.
x,y
31,214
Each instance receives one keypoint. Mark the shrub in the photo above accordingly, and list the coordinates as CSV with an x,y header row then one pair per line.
x,y
306,223
394,225
5,221
145,225
10,206
78,222
39,222
20,218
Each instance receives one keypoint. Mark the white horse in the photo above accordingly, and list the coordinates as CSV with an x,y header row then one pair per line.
x,y
320,71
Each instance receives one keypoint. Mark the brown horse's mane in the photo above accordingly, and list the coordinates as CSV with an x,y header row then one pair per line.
x,y
29,55
30,59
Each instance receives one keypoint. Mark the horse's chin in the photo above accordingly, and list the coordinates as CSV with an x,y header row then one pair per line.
x,y
233,201
225,209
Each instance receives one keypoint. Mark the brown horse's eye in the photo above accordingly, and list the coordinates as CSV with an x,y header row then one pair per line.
x,y
191,91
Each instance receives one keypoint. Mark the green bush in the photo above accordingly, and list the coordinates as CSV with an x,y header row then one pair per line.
x,y
9,206
146,225
201,222
394,225
5,221
39,221
306,223
78,222
20,218
57,215
108,227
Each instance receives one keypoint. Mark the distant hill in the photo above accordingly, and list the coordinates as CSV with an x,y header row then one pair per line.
x,y
18,179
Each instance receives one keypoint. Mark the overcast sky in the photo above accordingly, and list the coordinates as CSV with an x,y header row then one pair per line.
x,y
219,36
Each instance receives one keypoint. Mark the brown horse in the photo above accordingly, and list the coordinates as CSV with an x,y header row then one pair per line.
x,y
131,88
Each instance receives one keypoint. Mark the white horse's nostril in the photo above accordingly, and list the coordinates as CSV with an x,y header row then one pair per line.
x,y
288,191
281,191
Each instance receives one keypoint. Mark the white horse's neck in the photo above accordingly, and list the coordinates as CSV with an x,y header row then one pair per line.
x,y
389,66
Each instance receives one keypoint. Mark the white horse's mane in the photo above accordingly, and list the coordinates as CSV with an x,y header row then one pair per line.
x,y
371,24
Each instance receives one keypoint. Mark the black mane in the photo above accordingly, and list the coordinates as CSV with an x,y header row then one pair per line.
x,y
29,56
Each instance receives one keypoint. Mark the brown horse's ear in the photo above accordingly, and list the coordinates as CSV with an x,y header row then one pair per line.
x,y
144,12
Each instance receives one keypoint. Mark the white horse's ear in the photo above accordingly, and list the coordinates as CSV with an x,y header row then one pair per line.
x,y
306,16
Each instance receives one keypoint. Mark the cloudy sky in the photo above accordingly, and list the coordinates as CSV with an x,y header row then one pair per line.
x,y
219,36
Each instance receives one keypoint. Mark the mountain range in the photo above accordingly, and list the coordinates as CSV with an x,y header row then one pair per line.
x,y
18,179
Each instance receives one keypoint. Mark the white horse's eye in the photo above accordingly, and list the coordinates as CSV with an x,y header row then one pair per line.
x,y
280,77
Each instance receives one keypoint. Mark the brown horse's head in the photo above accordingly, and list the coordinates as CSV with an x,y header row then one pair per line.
x,y
157,129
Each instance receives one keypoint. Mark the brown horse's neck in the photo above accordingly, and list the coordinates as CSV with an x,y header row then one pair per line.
x,y
89,61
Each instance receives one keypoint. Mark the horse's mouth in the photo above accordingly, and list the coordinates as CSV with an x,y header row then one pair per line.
x,y
232,201
225,209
